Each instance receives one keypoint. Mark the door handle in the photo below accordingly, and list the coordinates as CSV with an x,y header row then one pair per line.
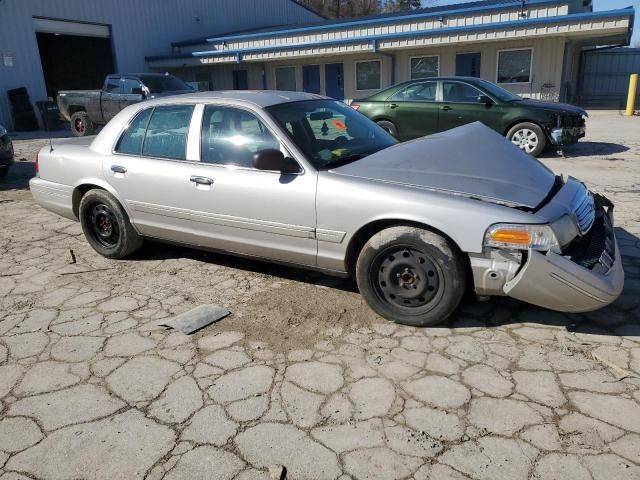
x,y
201,180
118,169
393,105
446,108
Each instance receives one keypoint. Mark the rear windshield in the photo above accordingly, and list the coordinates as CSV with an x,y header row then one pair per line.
x,y
164,83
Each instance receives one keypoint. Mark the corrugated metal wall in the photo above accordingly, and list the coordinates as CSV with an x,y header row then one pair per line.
x,y
138,28
604,76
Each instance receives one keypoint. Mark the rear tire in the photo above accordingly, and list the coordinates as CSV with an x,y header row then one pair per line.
x,y
411,276
81,125
529,137
389,127
106,225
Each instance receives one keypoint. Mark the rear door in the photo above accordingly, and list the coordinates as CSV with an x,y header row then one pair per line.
x,y
414,110
110,99
460,105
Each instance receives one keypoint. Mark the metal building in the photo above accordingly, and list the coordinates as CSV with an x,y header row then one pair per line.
x,y
49,45
531,47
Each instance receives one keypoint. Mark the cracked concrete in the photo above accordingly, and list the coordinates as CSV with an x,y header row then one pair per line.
x,y
303,374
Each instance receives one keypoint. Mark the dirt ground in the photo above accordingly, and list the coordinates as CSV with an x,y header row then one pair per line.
x,y
303,373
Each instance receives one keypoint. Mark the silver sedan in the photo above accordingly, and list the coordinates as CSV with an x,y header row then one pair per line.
x,y
304,180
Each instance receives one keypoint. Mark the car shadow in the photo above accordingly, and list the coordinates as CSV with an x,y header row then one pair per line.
x,y
589,149
18,177
614,320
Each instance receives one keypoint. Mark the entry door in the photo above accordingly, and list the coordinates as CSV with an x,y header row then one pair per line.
x,y
311,78
414,110
240,80
334,80
468,65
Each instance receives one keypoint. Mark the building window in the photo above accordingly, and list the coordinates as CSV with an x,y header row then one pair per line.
x,y
286,78
368,75
514,66
424,67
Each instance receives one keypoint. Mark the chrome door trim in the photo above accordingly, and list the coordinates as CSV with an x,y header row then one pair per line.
x,y
225,220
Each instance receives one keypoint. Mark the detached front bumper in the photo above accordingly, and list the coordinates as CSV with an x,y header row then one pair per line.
x,y
590,278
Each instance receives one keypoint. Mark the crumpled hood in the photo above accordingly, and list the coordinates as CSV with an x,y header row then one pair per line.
x,y
556,107
471,160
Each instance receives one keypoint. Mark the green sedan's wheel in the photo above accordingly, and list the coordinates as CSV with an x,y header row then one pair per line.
x,y
411,276
529,137
389,127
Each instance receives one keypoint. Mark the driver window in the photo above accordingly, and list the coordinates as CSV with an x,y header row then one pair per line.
x,y
417,92
128,84
231,136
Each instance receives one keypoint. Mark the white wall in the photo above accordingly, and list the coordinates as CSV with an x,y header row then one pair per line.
x,y
139,28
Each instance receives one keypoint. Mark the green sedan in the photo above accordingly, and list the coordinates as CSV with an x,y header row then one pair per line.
x,y
421,107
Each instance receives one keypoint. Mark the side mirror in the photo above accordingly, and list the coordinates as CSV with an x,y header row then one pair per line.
x,y
485,99
138,91
274,160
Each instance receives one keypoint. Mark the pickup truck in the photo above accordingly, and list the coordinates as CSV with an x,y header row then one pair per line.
x,y
85,110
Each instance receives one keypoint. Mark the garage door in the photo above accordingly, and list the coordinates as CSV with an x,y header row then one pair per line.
x,y
74,55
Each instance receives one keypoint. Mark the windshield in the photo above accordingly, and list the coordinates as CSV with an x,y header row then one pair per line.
x,y
164,83
329,132
497,91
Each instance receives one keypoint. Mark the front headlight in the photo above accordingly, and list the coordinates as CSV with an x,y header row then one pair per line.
x,y
3,131
516,236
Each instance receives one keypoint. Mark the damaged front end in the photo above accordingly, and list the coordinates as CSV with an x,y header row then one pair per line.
x,y
581,271
566,129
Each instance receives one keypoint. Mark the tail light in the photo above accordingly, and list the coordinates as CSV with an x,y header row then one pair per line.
x,y
355,106
37,168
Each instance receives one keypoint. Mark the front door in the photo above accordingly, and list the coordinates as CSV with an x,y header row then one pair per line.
x,y
110,98
334,80
468,65
414,110
240,80
311,78
131,88
461,105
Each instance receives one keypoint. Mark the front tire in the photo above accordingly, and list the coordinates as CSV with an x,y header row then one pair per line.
x,y
106,225
81,125
529,137
411,276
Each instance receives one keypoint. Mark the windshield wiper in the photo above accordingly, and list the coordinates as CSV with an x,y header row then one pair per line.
x,y
338,162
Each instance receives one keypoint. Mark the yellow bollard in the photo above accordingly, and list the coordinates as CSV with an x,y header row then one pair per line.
x,y
631,99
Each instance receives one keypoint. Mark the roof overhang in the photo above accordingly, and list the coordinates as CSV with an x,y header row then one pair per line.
x,y
602,25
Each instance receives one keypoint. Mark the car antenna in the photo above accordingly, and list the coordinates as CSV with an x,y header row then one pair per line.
x,y
50,145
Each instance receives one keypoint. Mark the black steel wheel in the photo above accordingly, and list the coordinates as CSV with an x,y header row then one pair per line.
x,y
106,225
411,276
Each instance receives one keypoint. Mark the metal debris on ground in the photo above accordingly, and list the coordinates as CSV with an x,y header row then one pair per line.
x,y
277,472
70,256
196,318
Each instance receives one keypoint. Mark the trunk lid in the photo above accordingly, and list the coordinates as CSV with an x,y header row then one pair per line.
x,y
472,160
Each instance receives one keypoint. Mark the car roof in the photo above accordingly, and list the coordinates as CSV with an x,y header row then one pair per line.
x,y
260,98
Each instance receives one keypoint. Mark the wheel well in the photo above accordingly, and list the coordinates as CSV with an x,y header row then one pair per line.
x,y
366,232
80,192
76,108
513,124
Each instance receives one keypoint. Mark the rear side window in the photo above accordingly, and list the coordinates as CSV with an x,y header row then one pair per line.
x,y
158,132
418,92
167,132
131,140
460,92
